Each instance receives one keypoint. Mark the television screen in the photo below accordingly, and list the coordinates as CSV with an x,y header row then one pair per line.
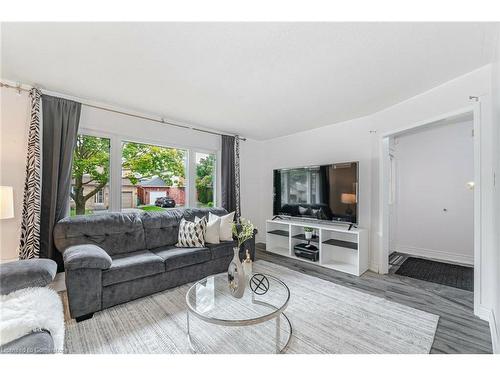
x,y
326,192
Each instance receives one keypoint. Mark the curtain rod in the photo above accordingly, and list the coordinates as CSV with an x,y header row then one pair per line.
x,y
161,121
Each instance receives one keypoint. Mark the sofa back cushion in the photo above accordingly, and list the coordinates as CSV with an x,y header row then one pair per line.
x,y
116,233
162,228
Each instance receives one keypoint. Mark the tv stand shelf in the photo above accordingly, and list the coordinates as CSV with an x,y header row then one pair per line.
x,y
339,248
303,238
350,245
278,232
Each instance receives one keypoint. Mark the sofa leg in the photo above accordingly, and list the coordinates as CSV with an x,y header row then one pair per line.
x,y
84,317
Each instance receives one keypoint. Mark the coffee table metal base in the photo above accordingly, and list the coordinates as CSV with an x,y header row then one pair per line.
x,y
279,349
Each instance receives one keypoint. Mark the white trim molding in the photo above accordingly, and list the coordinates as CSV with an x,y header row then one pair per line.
x,y
495,333
489,315
384,140
373,267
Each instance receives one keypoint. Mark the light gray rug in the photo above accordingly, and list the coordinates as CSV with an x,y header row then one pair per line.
x,y
326,318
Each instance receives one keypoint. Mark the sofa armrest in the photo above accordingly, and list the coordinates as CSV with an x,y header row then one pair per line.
x,y
26,273
86,256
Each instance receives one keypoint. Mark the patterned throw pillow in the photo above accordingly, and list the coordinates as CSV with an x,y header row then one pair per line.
x,y
192,234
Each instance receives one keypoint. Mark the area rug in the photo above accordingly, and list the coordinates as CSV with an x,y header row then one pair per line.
x,y
326,318
453,275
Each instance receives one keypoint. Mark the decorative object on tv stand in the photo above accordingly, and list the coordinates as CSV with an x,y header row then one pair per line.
x,y
242,231
348,198
6,202
308,232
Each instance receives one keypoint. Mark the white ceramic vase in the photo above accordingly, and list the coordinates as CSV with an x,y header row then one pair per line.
x,y
236,275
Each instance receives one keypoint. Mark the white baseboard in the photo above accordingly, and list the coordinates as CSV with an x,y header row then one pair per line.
x,y
483,313
436,254
373,267
495,334
489,315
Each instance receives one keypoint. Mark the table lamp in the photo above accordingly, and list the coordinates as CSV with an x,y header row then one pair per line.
x,y
6,202
348,198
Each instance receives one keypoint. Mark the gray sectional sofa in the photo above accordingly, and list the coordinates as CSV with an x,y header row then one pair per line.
x,y
113,258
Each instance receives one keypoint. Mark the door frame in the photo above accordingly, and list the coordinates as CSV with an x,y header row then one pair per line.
x,y
385,138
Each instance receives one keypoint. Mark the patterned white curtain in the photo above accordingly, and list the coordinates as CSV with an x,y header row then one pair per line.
x,y
30,226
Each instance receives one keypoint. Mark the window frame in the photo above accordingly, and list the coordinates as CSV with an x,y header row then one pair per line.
x,y
216,175
149,143
99,194
92,133
115,161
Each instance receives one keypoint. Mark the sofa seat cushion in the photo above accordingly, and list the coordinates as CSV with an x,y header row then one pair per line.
x,y
131,266
222,249
179,257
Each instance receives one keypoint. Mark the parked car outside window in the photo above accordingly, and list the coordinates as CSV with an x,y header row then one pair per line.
x,y
165,202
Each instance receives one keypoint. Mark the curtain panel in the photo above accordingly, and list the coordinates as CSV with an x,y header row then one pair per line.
x,y
230,173
61,118
29,246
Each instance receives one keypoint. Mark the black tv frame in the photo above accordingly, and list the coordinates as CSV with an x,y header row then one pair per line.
x,y
281,215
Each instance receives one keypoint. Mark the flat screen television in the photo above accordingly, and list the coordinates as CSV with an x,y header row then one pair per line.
x,y
325,192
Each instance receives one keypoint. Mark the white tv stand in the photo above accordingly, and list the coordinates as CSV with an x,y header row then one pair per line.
x,y
339,248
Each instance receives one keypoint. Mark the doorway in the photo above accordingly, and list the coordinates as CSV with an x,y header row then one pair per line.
x,y
430,210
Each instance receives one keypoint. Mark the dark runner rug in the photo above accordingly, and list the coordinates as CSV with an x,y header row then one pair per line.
x,y
453,275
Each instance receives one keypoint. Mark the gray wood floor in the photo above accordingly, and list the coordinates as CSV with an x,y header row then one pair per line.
x,y
459,331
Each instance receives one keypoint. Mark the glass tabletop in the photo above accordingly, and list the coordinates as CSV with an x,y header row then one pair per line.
x,y
210,299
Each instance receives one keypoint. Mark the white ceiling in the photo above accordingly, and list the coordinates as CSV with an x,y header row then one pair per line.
x,y
261,80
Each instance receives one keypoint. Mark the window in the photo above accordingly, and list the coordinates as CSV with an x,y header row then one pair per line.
x,y
205,180
314,186
112,174
99,197
300,186
151,172
90,175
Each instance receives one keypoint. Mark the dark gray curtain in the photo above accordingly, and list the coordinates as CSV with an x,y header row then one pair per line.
x,y
60,128
230,174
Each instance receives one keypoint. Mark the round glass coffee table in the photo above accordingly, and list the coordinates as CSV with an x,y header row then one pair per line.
x,y
211,301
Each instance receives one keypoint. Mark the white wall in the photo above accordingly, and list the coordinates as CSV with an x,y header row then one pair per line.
x,y
250,180
133,128
13,134
432,168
